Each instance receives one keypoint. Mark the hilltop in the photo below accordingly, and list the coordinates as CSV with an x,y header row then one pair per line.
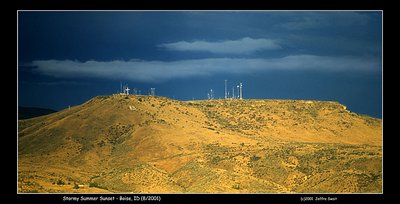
x,y
130,143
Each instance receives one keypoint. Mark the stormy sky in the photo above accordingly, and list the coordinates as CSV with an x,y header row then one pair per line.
x,y
67,57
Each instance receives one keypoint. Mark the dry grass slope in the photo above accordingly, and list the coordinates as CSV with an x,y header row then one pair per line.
x,y
153,144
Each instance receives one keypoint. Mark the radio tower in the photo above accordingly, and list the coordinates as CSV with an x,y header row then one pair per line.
x,y
152,91
241,90
226,93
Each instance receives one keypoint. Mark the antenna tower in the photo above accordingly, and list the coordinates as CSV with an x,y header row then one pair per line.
x,y
241,90
152,91
226,91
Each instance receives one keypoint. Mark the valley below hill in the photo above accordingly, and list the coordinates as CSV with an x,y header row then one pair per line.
x,y
151,144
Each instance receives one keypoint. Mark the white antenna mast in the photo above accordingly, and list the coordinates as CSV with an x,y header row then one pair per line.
x,y
241,90
152,91
238,92
226,96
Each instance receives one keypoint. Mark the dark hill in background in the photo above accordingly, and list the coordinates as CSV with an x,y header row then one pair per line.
x,y
31,112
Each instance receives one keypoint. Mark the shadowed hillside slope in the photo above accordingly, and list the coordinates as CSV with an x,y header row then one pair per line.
x,y
132,143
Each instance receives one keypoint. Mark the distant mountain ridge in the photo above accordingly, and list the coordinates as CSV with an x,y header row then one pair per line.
x,y
32,112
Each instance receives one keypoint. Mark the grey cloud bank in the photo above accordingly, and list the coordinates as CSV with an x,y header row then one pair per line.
x,y
242,46
157,71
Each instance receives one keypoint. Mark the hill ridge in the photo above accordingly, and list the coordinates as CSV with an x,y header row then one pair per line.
x,y
130,143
